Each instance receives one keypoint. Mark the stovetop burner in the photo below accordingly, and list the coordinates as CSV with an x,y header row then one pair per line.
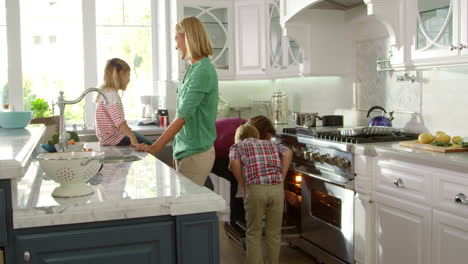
x,y
336,136
333,134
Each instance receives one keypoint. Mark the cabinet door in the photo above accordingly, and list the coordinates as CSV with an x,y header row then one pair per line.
x,y
276,48
463,47
3,216
142,243
198,238
449,238
217,18
403,231
284,53
437,29
5,210
250,34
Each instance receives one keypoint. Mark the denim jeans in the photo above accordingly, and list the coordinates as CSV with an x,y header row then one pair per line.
x,y
141,139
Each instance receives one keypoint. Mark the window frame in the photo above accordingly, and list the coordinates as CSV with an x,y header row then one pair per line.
x,y
15,72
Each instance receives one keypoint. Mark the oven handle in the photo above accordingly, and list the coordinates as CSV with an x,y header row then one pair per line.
x,y
341,184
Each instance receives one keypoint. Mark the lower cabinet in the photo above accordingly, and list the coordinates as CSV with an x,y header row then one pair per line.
x,y
5,211
403,231
145,243
449,238
182,239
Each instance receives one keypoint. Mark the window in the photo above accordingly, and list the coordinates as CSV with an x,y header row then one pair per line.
x,y
123,30
3,56
52,53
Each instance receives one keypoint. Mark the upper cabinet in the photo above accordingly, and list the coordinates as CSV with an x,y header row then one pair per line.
x,y
218,20
424,33
262,48
441,35
248,40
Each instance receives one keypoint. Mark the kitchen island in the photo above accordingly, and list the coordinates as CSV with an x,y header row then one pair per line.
x,y
140,212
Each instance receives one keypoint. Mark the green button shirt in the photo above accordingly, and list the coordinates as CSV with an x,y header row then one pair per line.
x,y
197,104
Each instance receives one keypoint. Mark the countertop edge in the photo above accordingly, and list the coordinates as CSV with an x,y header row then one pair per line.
x,y
18,166
423,157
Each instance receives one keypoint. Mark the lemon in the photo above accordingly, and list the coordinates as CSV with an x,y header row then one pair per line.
x,y
443,138
455,139
425,138
439,133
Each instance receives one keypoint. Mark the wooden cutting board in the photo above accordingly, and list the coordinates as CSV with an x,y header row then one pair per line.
x,y
415,144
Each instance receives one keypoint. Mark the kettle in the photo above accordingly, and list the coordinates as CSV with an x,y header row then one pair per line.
x,y
380,120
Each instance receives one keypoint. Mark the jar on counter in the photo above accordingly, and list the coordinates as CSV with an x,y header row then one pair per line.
x,y
279,106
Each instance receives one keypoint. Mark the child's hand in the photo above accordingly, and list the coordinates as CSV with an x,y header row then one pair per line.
x,y
243,193
140,147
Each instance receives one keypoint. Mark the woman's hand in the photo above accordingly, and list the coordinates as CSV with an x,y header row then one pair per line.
x,y
145,148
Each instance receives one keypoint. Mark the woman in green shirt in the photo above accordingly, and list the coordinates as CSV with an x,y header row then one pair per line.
x,y
193,128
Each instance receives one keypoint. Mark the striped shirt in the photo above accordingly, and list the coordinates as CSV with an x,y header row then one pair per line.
x,y
260,160
109,118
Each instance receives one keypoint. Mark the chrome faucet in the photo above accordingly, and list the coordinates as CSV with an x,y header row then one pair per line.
x,y
62,145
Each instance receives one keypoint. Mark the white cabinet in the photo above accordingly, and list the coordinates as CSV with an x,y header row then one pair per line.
x,y
250,37
403,231
449,238
424,33
420,213
217,17
437,34
247,38
262,49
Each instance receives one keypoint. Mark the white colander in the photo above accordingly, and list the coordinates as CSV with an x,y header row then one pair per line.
x,y
72,170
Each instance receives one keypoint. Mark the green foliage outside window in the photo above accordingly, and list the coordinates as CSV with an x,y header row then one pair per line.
x,y
41,108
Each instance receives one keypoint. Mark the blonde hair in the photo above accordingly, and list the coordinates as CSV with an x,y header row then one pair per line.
x,y
112,75
197,40
245,131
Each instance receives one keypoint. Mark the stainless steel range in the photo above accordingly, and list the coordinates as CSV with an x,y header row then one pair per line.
x,y
323,159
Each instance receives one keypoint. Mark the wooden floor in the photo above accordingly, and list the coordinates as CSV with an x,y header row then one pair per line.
x,y
231,252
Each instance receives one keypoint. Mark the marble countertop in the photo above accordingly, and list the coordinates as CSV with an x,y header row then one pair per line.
x,y
143,188
452,161
16,149
142,129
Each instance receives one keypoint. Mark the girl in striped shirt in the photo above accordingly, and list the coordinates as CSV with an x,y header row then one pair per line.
x,y
111,127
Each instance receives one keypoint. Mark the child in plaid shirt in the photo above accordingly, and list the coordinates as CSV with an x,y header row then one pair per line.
x,y
260,166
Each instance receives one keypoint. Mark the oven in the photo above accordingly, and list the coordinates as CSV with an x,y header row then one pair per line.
x,y
327,199
323,160
327,219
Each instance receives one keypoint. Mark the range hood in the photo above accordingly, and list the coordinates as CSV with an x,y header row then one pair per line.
x,y
337,4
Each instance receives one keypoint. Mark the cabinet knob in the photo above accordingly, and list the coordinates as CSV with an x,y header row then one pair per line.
x,y
461,199
27,256
452,48
398,183
461,47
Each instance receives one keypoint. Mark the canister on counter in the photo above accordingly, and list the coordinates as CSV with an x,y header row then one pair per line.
x,y
279,106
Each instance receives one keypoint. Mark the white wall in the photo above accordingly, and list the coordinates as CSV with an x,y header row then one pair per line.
x,y
325,95
434,102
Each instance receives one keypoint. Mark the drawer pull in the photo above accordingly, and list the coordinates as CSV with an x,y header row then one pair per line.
x,y
398,183
27,256
461,199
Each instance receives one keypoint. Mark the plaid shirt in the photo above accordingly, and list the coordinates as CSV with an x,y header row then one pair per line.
x,y
260,159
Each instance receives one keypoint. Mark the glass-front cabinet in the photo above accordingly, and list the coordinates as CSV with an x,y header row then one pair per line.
x,y
285,53
217,18
440,37
437,33
247,37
